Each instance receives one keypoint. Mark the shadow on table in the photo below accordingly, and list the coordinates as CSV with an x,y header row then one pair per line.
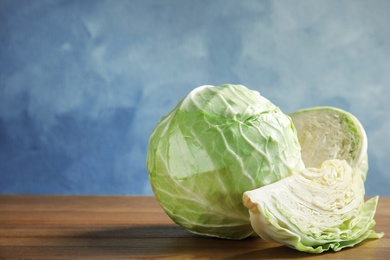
x,y
175,242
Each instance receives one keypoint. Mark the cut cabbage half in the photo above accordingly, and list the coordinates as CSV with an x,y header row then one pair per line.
x,y
320,209
331,133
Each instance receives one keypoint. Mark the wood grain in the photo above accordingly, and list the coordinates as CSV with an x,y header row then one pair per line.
x,y
128,227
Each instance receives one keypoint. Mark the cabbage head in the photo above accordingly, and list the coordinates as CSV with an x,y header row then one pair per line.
x,y
215,144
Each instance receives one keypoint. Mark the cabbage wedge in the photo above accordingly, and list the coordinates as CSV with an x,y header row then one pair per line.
x,y
314,211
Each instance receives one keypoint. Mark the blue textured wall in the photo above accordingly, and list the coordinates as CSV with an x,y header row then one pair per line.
x,y
83,83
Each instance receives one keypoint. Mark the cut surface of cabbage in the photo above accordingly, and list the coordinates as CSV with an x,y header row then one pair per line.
x,y
331,133
314,211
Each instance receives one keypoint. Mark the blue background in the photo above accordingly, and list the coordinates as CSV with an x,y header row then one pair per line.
x,y
83,83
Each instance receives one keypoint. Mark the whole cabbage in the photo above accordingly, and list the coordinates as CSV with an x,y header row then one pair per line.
x,y
215,144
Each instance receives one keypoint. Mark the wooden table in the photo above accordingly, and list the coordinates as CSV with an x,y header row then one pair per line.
x,y
102,227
